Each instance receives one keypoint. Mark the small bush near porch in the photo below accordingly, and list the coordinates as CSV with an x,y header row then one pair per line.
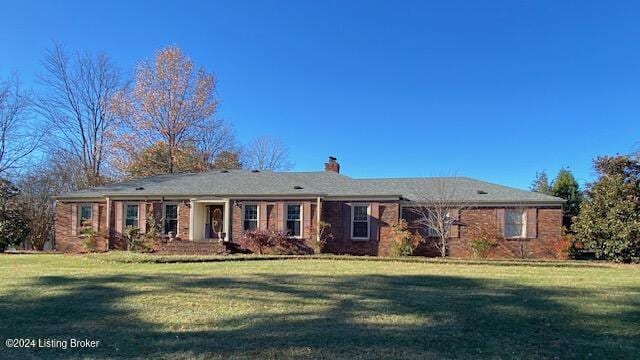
x,y
320,308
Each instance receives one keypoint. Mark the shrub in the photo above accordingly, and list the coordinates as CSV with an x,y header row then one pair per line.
x,y
264,239
132,235
403,242
482,245
142,242
563,247
153,231
89,236
320,235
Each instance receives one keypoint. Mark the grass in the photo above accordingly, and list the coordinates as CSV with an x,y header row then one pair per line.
x,y
141,306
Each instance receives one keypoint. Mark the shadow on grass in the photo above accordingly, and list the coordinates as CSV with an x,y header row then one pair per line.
x,y
330,317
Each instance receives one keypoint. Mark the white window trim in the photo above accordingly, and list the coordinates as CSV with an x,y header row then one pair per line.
x,y
257,214
286,213
353,205
523,232
164,215
124,215
79,220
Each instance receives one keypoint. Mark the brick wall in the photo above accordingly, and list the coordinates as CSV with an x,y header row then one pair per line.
x,y
273,220
484,221
474,223
335,213
66,241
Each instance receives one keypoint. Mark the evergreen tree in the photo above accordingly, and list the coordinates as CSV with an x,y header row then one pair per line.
x,y
541,183
609,219
14,226
565,186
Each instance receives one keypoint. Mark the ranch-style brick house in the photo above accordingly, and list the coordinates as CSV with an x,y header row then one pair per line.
x,y
205,212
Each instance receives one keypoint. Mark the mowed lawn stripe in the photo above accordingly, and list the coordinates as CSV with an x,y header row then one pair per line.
x,y
320,308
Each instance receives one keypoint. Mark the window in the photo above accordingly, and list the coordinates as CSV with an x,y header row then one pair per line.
x,y
514,223
85,214
293,220
360,222
250,217
170,218
131,215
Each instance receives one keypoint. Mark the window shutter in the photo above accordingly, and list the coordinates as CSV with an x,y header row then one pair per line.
x,y
454,232
374,222
118,205
74,219
95,216
157,213
532,223
280,217
306,219
346,221
500,221
142,217
263,215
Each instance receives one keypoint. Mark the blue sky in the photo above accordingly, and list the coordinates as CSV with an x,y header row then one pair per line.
x,y
492,90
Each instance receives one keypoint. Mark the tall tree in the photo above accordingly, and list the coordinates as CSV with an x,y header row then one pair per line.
x,y
76,97
266,153
565,186
173,104
55,175
541,183
14,227
228,160
609,219
17,140
154,160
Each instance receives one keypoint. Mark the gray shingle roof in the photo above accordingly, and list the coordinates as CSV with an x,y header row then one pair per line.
x,y
235,183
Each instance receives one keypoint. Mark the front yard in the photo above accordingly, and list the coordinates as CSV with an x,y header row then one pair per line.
x,y
319,308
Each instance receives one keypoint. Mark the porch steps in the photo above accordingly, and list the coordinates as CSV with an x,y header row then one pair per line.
x,y
185,247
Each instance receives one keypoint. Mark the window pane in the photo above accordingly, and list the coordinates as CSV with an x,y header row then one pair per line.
x,y
171,218
131,218
293,212
170,225
360,213
171,211
293,227
360,230
85,212
251,212
250,224
513,223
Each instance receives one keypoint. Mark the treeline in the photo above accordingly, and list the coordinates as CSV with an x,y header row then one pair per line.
x,y
87,124
604,217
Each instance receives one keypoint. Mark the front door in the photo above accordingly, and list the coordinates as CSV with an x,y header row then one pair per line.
x,y
215,221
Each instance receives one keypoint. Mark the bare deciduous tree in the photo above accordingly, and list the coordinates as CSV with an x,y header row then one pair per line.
x,y
266,153
171,103
77,91
214,137
17,140
55,175
437,203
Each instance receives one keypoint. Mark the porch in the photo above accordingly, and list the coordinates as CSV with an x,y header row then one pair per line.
x,y
210,220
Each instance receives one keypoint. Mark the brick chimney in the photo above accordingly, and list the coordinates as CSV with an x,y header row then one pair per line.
x,y
332,165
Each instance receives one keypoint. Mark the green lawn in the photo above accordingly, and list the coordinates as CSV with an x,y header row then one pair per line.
x,y
319,308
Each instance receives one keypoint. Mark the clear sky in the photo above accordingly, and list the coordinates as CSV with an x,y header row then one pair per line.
x,y
494,90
